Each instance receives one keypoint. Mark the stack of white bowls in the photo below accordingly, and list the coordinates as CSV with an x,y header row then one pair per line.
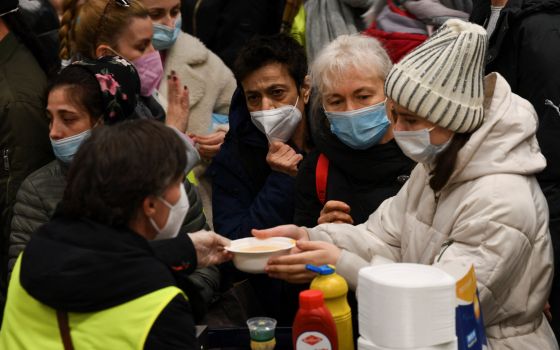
x,y
406,306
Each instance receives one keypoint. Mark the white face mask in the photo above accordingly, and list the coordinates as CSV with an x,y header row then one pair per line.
x,y
416,145
278,124
175,218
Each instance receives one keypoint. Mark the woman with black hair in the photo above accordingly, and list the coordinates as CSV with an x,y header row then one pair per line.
x,y
24,145
89,278
85,95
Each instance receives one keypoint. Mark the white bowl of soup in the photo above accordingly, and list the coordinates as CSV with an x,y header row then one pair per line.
x,y
251,254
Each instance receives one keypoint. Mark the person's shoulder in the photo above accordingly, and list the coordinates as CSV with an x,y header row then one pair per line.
x,y
50,172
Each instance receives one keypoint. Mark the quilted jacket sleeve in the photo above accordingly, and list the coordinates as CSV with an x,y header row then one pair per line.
x,y
207,279
29,213
504,234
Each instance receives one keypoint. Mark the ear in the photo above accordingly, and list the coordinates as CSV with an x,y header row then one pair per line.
x,y
388,109
103,50
306,88
148,206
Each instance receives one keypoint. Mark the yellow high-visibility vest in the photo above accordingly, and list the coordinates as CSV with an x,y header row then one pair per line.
x,y
29,324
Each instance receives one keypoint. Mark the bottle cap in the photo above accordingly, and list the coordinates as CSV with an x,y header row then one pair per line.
x,y
321,270
311,299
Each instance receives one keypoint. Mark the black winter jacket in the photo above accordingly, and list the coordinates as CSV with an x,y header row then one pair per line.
x,y
224,26
525,49
363,179
24,129
107,267
40,194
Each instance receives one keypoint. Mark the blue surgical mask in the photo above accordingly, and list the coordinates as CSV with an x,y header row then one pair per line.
x,y
361,128
416,145
65,149
164,37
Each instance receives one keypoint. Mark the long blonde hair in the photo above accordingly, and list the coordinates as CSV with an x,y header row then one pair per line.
x,y
83,28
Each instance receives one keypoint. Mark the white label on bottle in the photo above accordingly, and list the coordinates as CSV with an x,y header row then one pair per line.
x,y
313,341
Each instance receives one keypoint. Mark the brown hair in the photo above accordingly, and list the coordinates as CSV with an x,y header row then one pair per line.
x,y
106,184
445,162
95,22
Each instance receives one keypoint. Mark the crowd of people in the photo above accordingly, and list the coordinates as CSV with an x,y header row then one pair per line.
x,y
139,137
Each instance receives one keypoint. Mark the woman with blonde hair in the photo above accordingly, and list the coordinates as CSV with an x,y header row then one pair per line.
x,y
211,85
122,27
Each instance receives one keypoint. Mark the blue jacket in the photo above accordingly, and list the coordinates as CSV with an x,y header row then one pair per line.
x,y
246,193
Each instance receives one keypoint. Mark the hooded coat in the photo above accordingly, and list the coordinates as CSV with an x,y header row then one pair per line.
x,y
491,213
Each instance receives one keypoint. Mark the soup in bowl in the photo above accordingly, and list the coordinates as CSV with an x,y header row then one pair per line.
x,y
251,254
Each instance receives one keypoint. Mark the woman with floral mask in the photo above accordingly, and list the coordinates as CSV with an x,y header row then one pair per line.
x,y
90,278
356,164
121,27
473,198
85,95
211,85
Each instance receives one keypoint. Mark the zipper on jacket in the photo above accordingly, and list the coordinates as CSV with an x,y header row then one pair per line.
x,y
195,11
444,247
6,157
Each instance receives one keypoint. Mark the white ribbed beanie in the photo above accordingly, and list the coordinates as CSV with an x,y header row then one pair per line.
x,y
441,80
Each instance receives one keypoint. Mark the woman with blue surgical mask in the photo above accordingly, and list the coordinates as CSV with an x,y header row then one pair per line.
x,y
357,163
473,198
210,82
86,95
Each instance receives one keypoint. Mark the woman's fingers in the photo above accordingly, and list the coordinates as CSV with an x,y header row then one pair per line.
x,y
335,216
336,206
290,231
293,274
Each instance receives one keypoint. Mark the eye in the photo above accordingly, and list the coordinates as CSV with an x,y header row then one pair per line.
x,y
252,99
364,97
175,11
277,92
334,101
410,120
156,14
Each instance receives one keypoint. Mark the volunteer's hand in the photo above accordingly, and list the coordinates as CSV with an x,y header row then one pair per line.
x,y
335,212
290,231
283,158
178,105
291,267
210,248
209,145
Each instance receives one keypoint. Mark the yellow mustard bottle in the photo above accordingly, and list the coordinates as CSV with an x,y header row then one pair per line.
x,y
335,288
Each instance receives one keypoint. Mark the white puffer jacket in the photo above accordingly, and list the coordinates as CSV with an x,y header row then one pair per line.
x,y
491,213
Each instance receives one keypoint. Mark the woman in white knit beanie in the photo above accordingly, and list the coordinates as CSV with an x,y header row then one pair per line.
x,y
472,198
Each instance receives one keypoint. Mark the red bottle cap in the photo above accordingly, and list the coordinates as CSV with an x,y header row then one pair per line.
x,y
311,299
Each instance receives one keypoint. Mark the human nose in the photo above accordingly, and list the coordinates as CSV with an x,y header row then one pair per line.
x,y
267,104
168,21
398,125
352,106
55,131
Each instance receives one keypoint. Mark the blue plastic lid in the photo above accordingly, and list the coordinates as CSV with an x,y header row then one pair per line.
x,y
321,270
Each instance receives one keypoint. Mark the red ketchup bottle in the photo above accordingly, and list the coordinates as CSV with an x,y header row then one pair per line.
x,y
314,327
